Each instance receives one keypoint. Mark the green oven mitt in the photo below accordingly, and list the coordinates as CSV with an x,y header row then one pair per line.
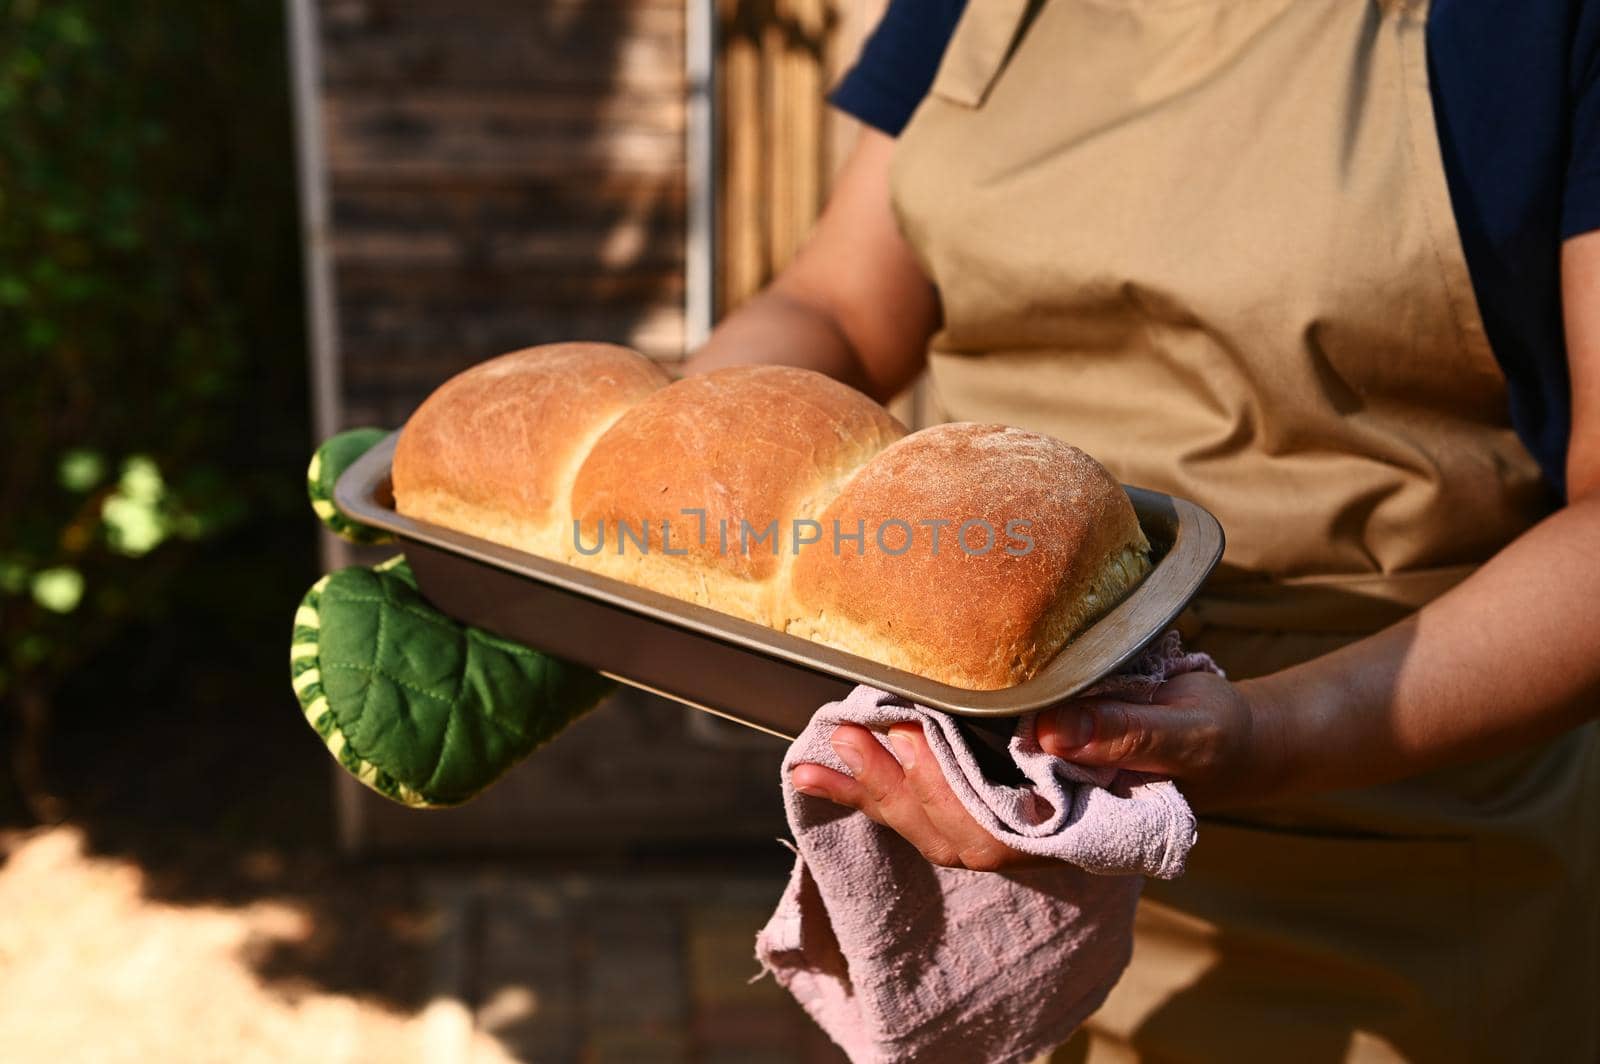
x,y
421,708
331,460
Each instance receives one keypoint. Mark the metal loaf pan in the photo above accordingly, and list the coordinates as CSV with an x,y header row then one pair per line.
x,y
737,669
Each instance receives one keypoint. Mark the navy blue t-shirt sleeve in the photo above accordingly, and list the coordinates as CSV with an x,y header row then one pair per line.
x,y
1581,207
897,63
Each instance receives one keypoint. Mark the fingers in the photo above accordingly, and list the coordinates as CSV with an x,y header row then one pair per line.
x,y
973,847
820,781
876,786
908,795
1162,739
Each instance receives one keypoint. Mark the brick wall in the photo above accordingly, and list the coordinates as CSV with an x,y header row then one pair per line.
x,y
501,173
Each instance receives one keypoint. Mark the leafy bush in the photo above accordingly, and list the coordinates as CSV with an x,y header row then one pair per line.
x,y
151,357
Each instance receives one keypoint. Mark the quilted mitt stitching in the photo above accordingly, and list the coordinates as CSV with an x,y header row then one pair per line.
x,y
306,677
552,692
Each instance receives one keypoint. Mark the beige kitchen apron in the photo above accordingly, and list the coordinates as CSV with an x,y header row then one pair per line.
x,y
1211,242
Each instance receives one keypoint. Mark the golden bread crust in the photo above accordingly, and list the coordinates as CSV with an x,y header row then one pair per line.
x,y
763,445
973,618
493,450
554,449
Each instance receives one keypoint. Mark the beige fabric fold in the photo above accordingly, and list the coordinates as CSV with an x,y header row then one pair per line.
x,y
1211,242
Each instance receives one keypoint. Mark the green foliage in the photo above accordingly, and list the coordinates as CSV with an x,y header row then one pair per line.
x,y
151,360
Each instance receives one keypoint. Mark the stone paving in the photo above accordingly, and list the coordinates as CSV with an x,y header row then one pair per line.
x,y
634,971
486,966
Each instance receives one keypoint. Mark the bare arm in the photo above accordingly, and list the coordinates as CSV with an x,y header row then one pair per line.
x,y
1509,657
853,304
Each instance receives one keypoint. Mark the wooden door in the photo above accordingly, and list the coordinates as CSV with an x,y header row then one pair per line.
x,y
779,142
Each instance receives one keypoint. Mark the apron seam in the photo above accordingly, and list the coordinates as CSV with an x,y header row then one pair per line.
x,y
1407,73
1464,313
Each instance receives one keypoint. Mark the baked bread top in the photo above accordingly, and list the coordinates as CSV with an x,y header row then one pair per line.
x,y
492,452
985,549
720,466
965,553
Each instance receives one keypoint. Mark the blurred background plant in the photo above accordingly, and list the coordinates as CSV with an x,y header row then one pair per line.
x,y
175,872
152,367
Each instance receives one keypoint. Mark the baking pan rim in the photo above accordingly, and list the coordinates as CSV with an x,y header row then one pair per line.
x,y
1196,546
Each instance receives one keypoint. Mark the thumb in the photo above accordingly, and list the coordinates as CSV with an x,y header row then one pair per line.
x,y
1121,734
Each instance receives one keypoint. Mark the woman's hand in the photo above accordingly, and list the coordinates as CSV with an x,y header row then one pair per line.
x,y
1210,736
1198,729
907,793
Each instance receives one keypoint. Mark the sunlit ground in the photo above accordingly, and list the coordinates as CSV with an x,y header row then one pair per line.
x,y
193,906
473,965
90,967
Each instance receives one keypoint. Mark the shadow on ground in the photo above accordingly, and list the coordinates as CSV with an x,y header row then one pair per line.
x,y
193,894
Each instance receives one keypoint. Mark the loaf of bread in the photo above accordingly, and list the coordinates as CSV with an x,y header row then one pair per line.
x,y
989,548
969,554
710,464
493,451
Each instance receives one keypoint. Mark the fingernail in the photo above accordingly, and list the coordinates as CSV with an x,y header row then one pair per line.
x,y
815,792
1079,729
904,750
848,754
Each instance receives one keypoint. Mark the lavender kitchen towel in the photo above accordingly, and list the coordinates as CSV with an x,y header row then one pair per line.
x,y
901,960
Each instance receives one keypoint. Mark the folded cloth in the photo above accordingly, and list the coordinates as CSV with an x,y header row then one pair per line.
x,y
898,959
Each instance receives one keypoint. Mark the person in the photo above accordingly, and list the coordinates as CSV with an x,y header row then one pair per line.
x,y
1331,269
